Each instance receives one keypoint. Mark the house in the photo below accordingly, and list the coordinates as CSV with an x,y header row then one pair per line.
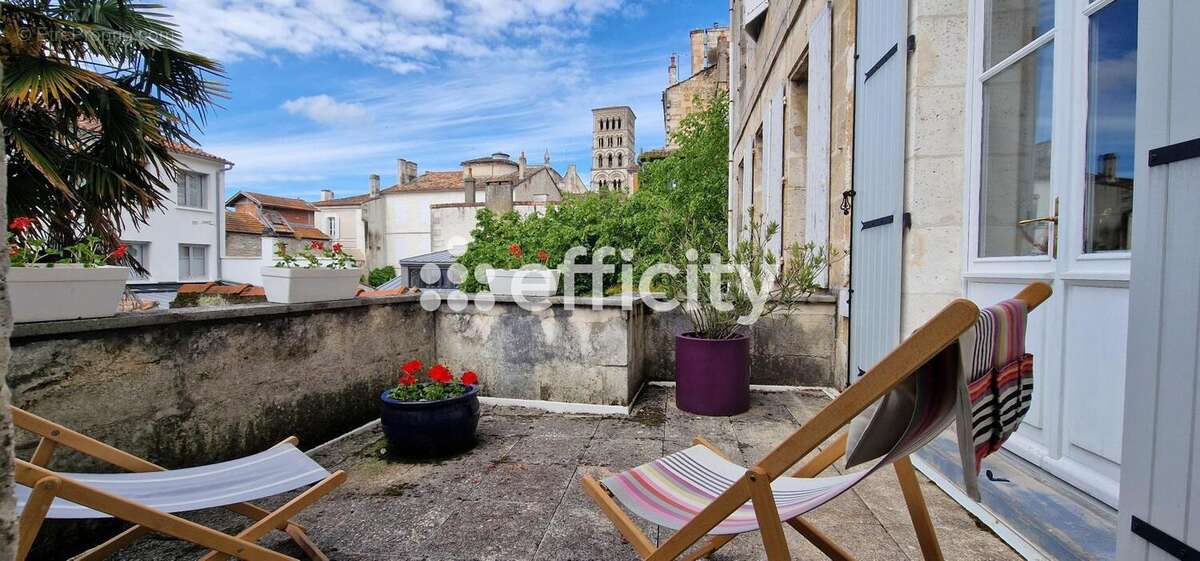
x,y
181,243
710,76
976,148
254,228
429,212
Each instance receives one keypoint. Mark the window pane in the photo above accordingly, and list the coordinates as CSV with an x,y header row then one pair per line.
x,y
1112,89
199,262
1012,24
184,263
1015,182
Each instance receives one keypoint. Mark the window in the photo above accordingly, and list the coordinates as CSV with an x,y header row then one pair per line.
x,y
140,252
1017,123
331,227
1112,90
193,262
610,160
192,190
620,160
600,161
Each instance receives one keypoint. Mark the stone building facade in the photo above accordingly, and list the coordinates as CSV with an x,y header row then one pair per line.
x,y
614,158
710,75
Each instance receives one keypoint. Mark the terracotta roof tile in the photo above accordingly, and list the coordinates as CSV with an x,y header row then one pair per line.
x,y
363,293
345,201
196,288
193,151
273,201
243,223
308,232
431,181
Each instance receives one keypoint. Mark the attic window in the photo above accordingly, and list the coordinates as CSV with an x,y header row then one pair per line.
x,y
753,15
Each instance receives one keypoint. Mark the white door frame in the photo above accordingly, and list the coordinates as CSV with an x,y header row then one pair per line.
x,y
1042,439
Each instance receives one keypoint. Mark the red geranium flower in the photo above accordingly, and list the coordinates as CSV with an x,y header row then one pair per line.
x,y
470,378
440,374
316,245
412,367
120,251
408,380
13,251
515,250
20,223
337,248
543,256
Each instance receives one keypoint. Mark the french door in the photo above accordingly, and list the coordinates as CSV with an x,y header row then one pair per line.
x,y
1050,198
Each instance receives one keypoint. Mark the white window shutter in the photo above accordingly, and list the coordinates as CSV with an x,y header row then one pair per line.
x,y
773,158
820,93
747,192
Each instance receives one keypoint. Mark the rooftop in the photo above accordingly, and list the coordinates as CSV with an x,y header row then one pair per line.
x,y
517,496
431,181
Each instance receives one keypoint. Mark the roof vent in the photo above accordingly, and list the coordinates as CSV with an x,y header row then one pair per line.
x,y
501,155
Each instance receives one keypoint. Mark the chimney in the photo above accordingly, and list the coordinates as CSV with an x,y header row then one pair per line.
x,y
326,195
673,70
1108,166
499,196
374,182
469,188
546,157
698,39
521,166
406,171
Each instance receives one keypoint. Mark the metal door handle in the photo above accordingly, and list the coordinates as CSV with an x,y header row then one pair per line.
x,y
1053,220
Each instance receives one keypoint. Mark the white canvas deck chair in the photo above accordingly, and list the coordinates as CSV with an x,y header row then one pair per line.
x,y
698,492
147,496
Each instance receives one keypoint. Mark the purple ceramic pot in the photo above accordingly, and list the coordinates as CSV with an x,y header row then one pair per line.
x,y
712,376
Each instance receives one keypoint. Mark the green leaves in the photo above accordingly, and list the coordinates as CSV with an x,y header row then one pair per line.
x,y
95,95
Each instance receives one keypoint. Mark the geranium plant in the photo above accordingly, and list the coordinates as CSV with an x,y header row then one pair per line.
x,y
314,255
518,257
440,383
24,249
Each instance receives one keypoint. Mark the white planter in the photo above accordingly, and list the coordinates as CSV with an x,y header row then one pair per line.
x,y
294,286
523,282
41,293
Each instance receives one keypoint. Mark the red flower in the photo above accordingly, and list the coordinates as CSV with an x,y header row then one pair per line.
x,y
515,250
337,248
470,378
408,380
412,367
120,251
316,245
13,251
543,256
440,374
20,223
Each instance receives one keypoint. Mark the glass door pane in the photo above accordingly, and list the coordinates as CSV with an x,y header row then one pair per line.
x,y
1012,24
1112,92
1015,182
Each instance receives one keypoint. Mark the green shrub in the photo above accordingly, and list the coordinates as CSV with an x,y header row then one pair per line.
x,y
380,275
681,197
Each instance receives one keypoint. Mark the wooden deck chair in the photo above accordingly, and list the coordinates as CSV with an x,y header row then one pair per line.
x,y
147,496
698,492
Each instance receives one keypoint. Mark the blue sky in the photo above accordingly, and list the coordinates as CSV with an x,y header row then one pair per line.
x,y
326,92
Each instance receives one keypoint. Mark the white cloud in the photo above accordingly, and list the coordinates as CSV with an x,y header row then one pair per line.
x,y
326,110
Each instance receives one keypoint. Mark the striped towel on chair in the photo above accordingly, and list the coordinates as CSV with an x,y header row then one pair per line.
x,y
996,386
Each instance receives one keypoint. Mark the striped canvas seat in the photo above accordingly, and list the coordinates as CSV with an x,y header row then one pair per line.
x,y
280,469
671,491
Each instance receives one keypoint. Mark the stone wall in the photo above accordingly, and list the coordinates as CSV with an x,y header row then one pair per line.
x,y
243,245
579,355
794,348
192,386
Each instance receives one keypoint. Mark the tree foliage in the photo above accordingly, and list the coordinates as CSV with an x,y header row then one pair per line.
x,y
95,95
680,201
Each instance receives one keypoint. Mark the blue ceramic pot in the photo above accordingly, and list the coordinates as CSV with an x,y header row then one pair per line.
x,y
430,429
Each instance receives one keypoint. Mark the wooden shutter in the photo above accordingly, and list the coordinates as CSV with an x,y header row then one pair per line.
x,y
773,128
879,140
820,93
747,191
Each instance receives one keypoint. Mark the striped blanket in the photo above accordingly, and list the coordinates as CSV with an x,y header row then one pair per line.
x,y
996,386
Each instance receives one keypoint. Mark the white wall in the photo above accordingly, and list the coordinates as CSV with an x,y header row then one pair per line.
x,y
409,223
176,225
351,233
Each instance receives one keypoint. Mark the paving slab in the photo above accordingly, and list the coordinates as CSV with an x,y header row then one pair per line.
x,y
517,495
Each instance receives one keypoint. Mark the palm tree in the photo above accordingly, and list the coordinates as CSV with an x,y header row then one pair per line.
x,y
95,95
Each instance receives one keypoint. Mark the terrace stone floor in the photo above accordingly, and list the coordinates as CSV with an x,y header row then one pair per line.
x,y
517,495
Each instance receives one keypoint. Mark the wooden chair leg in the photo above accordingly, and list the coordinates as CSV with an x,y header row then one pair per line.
x,y
284,513
634,535
926,536
768,515
306,544
44,451
35,513
114,544
710,547
818,538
